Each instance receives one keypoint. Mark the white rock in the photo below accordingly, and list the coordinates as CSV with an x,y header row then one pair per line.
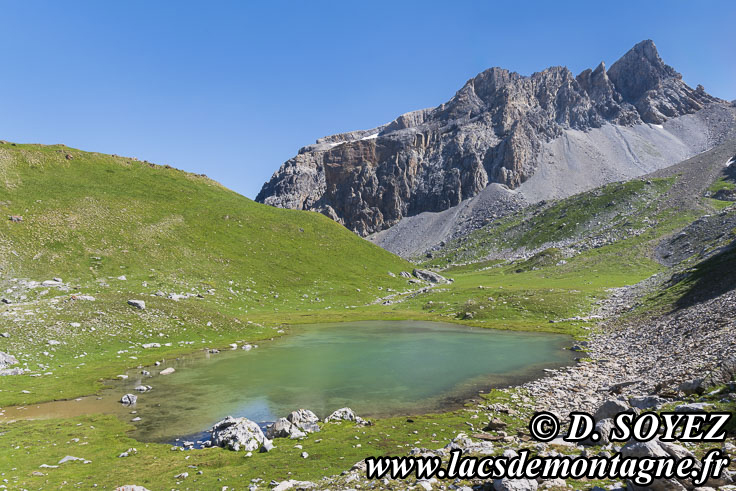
x,y
70,458
129,399
507,484
291,483
238,434
611,408
344,414
694,407
139,304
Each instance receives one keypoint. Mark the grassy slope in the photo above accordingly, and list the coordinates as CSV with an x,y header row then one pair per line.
x,y
167,230
549,286
102,438
616,207
92,218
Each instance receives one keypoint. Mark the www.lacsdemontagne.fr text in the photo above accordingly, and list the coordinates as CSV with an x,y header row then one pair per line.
x,y
641,470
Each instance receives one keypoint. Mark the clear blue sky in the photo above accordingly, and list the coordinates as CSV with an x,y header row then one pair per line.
x,y
233,88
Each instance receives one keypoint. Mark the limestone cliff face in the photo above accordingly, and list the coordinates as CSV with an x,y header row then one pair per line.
x,y
492,130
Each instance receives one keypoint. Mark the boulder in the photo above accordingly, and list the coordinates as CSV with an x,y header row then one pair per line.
x,y
603,428
646,402
692,387
279,429
344,414
554,483
495,424
139,304
694,407
657,448
611,408
283,428
6,360
238,434
643,449
11,371
619,387
293,484
429,276
129,399
677,451
267,446
507,484
305,420
167,371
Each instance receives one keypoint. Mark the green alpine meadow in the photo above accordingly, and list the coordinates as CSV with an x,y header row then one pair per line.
x,y
542,241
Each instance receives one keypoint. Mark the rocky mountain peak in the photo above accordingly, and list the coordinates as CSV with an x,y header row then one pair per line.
x,y
491,131
640,70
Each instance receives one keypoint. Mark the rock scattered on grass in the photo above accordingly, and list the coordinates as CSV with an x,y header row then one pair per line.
x,y
129,399
139,304
345,414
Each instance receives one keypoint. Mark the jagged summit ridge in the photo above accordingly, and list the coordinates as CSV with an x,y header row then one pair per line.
x,y
491,131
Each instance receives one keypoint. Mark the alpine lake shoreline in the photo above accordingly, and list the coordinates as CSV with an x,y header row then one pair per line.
x,y
32,433
507,411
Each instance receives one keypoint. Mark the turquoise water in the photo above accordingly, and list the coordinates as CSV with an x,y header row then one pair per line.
x,y
378,368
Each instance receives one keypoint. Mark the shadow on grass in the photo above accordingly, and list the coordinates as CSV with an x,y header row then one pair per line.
x,y
711,278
